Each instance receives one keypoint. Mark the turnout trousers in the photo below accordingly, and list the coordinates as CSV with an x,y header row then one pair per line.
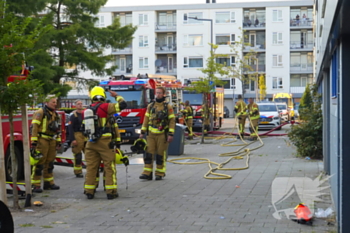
x,y
255,124
157,147
44,167
189,124
94,153
78,151
241,124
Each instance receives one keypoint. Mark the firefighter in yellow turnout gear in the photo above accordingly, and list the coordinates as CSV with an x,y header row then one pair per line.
x,y
206,117
45,137
188,113
159,121
77,138
254,115
101,144
241,111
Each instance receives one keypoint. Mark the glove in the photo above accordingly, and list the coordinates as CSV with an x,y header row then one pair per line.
x,y
118,145
34,144
125,160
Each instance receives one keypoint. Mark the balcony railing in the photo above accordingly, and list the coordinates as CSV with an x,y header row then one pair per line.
x,y
297,89
299,45
260,68
247,24
165,48
304,22
301,67
124,50
256,47
118,71
165,70
165,26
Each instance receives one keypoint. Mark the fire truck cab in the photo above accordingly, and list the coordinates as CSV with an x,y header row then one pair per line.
x,y
138,93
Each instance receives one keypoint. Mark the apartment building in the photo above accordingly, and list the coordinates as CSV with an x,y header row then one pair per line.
x,y
169,41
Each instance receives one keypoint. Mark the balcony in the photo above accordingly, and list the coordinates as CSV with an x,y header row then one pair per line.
x,y
256,48
297,45
303,23
301,68
166,70
295,90
254,68
127,50
165,49
165,27
248,25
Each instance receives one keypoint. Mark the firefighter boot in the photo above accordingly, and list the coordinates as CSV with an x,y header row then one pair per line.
x,y
112,196
48,186
90,196
159,177
146,177
80,175
37,189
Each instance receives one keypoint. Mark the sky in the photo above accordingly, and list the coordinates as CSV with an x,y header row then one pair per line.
x,y
164,2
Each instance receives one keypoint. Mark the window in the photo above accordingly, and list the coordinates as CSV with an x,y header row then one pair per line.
x,y
225,17
193,62
143,41
277,60
300,80
233,60
277,38
277,83
193,40
100,22
143,62
188,18
277,16
124,19
223,60
143,19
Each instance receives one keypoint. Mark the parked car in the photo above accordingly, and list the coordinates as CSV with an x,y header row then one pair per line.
x,y
226,112
269,115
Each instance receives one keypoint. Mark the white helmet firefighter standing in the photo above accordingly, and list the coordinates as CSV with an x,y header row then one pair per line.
x,y
103,137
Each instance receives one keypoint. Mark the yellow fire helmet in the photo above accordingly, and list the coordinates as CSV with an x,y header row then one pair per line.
x,y
98,94
139,146
120,158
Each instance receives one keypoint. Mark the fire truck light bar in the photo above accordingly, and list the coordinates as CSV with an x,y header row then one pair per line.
x,y
104,82
140,81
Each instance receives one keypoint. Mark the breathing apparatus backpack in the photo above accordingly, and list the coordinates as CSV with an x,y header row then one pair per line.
x,y
91,120
162,116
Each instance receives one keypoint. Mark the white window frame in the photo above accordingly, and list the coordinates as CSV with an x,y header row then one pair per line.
x,y
233,38
187,21
143,19
186,39
233,64
231,16
277,16
144,40
101,21
277,60
277,38
187,61
279,82
144,62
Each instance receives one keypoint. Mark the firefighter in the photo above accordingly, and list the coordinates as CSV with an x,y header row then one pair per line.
x,y
101,145
159,121
188,114
206,118
77,138
254,115
45,138
241,111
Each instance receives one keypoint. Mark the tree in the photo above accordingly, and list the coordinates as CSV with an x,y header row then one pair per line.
x,y
245,68
262,87
207,84
15,42
307,136
305,102
75,44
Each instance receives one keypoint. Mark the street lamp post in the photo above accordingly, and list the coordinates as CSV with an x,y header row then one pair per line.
x,y
212,52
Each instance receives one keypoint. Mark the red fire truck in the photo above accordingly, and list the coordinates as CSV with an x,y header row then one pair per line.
x,y
138,93
215,101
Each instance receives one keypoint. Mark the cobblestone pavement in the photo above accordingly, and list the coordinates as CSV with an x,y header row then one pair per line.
x,y
184,201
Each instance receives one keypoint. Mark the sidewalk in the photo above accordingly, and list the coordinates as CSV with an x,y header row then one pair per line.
x,y
184,201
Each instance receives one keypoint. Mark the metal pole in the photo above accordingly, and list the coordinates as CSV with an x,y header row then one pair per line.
x,y
3,195
27,170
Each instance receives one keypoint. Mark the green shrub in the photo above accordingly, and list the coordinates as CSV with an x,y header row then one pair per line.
x,y
307,136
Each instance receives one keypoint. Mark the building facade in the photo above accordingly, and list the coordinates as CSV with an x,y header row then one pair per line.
x,y
332,53
169,41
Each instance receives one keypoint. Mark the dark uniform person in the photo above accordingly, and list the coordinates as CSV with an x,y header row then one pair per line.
x,y
254,115
159,121
188,113
206,117
45,137
101,145
77,138
241,111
